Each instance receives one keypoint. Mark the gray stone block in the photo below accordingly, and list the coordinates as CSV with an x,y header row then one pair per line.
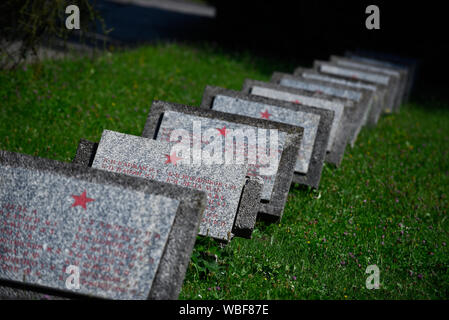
x,y
408,66
245,215
85,153
397,77
158,160
405,74
119,218
276,186
316,135
340,129
249,204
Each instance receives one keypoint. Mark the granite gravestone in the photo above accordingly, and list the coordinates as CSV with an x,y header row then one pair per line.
x,y
315,121
360,75
397,77
378,93
411,65
128,237
339,133
156,160
363,100
402,70
243,138
245,217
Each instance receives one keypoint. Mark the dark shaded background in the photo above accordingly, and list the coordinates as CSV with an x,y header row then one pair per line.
x,y
310,30
300,31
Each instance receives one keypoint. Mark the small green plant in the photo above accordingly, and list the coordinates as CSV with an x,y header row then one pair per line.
x,y
206,258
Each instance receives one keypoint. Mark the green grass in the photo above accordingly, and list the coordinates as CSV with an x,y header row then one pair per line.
x,y
386,205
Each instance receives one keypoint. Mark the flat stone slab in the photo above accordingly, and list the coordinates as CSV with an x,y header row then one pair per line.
x,y
363,100
315,121
236,135
409,66
382,80
157,160
377,92
397,77
130,238
339,134
402,70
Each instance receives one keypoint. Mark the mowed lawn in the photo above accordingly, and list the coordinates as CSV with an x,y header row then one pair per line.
x,y
386,205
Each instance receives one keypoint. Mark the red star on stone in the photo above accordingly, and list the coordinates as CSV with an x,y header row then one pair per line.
x,y
81,200
222,131
172,158
297,101
265,114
